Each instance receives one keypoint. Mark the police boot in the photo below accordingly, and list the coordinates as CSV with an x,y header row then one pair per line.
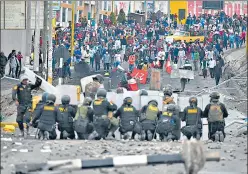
x,y
46,135
111,136
65,134
217,136
198,136
93,135
221,136
126,136
143,136
170,137
149,135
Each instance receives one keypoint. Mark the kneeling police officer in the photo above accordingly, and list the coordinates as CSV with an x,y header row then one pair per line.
x,y
48,117
192,116
128,119
167,123
83,122
104,122
215,112
148,117
65,118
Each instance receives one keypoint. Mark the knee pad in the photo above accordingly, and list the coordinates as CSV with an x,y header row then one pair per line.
x,y
143,136
149,135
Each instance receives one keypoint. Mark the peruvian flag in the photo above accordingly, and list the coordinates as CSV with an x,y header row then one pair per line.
x,y
168,67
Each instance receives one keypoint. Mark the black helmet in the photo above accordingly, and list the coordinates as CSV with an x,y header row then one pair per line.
x,y
65,99
153,102
87,101
101,93
99,78
168,90
214,95
143,92
51,98
44,96
193,100
171,107
128,101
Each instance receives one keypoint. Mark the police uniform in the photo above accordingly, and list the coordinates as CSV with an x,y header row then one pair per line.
x,y
83,121
128,119
22,94
47,116
149,115
65,120
192,117
39,105
215,112
166,125
103,113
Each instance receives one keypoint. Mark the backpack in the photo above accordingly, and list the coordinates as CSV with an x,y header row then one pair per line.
x,y
215,113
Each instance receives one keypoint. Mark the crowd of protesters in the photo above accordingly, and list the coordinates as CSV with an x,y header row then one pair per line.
x,y
110,45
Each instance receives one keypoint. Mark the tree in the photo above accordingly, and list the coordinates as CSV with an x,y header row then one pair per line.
x,y
113,18
121,17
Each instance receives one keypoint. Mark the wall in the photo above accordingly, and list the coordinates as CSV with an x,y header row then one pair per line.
x,y
13,39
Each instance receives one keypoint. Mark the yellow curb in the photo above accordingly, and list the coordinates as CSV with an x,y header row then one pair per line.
x,y
3,124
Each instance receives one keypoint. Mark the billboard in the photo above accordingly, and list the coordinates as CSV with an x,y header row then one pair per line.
x,y
215,5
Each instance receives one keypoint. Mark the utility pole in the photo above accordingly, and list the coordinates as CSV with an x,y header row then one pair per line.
x,y
97,12
72,27
50,46
37,37
113,7
145,8
168,11
44,36
28,34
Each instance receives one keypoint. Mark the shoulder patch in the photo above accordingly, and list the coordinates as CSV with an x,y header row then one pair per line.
x,y
48,108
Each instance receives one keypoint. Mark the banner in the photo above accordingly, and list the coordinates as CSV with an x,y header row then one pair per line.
x,y
140,74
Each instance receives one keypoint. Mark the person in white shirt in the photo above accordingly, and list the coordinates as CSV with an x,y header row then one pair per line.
x,y
117,59
181,57
87,57
161,57
210,54
212,64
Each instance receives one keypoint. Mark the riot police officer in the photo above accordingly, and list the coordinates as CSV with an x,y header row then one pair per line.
x,y
39,105
192,116
148,117
65,118
48,117
128,119
84,119
215,112
167,123
104,122
21,94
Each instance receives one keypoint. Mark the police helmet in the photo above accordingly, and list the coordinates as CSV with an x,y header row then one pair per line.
x,y
143,92
214,95
153,102
193,100
23,77
87,101
99,78
119,90
101,93
65,99
128,100
171,107
44,96
168,90
51,98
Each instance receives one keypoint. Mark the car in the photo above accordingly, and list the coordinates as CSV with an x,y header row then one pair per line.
x,y
183,36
